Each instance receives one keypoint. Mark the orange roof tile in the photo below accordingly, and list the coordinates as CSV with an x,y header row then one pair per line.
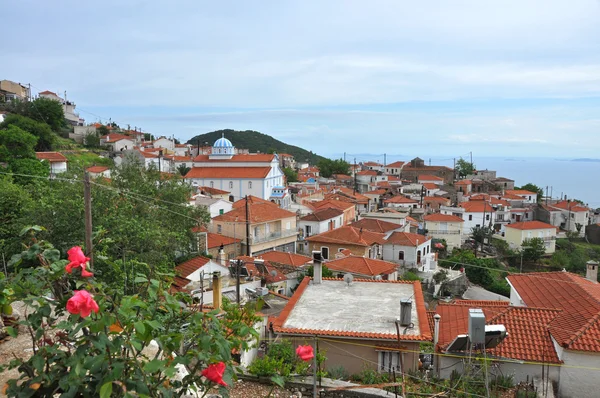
x,y
252,199
438,217
436,199
189,267
348,235
228,172
362,266
212,191
367,173
463,182
323,214
216,240
570,205
378,192
52,157
477,207
406,239
113,137
519,192
259,212
400,199
338,204
96,169
375,225
372,164
428,177
487,303
256,157
531,225
293,259
395,165
430,185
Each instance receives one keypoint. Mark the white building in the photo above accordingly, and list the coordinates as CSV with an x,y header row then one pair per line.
x,y
117,142
320,221
409,250
215,206
98,171
249,174
528,196
164,143
68,107
57,161
517,233
474,213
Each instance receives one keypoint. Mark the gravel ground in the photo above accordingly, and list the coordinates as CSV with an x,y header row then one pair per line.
x,y
251,389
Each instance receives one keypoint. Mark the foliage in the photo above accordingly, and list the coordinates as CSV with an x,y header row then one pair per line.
x,y
464,168
283,350
14,201
325,273
370,376
47,111
256,142
481,234
268,366
16,143
281,360
132,346
30,167
290,174
410,276
533,249
338,373
533,188
505,252
440,276
328,167
573,255
480,272
91,140
43,132
503,382
84,159
182,169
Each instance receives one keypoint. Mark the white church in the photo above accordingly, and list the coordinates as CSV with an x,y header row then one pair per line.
x,y
242,174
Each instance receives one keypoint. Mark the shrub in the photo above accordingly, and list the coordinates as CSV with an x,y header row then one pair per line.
x,y
282,351
267,367
410,276
338,373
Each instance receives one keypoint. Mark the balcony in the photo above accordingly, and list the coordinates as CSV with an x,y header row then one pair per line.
x,y
442,232
272,236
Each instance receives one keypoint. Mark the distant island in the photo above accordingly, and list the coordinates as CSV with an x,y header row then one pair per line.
x,y
585,160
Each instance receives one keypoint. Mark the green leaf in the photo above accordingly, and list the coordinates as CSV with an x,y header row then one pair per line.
x,y
38,363
139,327
11,331
106,390
52,255
140,279
154,365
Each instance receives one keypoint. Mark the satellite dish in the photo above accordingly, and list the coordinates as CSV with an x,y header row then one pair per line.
x,y
273,273
348,278
378,277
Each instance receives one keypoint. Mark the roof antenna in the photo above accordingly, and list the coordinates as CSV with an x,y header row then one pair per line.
x,y
348,278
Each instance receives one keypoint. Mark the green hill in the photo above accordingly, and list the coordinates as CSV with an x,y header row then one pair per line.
x,y
255,142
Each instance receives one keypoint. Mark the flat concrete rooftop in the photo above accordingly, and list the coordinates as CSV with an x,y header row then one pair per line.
x,y
370,307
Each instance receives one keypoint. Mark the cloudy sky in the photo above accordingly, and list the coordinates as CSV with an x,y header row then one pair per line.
x,y
427,78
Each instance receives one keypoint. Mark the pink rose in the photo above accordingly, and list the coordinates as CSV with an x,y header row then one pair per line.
x,y
305,352
82,303
78,260
215,373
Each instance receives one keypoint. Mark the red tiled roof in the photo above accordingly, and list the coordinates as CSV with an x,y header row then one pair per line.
x,y
428,177
436,199
189,267
293,259
438,217
342,177
212,191
395,165
367,173
406,239
379,192
400,199
252,199
96,169
477,207
337,204
113,137
375,225
430,185
348,235
568,205
228,172
362,266
510,196
487,303
47,92
425,334
323,214
249,263
463,182
52,157
372,164
578,325
531,225
519,192
257,157
527,339
258,212
216,240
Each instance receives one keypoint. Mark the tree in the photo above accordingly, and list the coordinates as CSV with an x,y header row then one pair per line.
x,y
464,168
183,169
325,273
328,167
481,234
46,138
91,140
16,143
47,111
290,174
22,168
533,249
14,202
533,188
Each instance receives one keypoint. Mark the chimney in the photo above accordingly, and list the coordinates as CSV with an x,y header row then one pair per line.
x,y
221,257
592,271
317,267
405,312
436,339
216,285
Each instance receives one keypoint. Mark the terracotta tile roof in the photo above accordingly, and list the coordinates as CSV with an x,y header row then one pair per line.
x,y
436,199
487,303
310,169
259,212
477,207
568,205
351,194
228,172
519,192
96,169
337,204
385,184
395,165
463,182
527,329
189,267
577,327
323,214
342,177
425,334
428,177
406,239
257,157
509,196
375,225
400,199
180,282
252,199
52,157
393,178
372,164
430,185
216,240
377,192
47,92
293,259
362,266
212,191
367,173
249,263
113,137
500,202
531,225
348,235
438,217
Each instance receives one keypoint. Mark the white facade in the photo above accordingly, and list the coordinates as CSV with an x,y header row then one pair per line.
x,y
215,206
310,228
58,167
471,219
119,145
407,256
165,143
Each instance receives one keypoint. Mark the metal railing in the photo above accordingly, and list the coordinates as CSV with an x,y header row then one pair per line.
x,y
272,236
443,232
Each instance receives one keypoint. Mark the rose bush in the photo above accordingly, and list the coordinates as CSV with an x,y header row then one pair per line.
x,y
89,340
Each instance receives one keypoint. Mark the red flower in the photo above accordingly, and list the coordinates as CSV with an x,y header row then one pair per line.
x,y
215,373
82,303
305,352
78,260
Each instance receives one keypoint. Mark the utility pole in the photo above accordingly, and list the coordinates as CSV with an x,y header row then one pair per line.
x,y
384,159
546,195
247,228
237,280
344,156
430,161
471,153
87,202
454,170
355,182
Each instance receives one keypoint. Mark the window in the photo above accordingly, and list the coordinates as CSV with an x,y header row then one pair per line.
x,y
325,252
341,249
249,184
487,217
401,255
221,211
308,230
388,360
230,184
470,217
212,184
219,229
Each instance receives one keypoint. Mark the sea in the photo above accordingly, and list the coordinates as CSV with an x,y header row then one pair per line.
x,y
574,178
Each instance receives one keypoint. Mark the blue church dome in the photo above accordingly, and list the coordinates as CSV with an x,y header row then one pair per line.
x,y
223,143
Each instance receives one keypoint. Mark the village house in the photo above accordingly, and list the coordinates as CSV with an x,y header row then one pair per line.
x,y
446,227
144,158
464,186
364,179
375,225
388,215
574,216
287,260
401,201
215,206
320,221
416,167
575,331
11,91
394,168
71,116
98,171
373,166
528,196
430,179
117,142
359,242
353,338
215,193
375,197
504,183
517,233
56,161
362,267
271,228
432,204
164,143
349,209
212,244
271,278
474,214
409,250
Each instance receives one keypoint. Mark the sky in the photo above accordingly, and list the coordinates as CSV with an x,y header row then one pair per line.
x,y
426,78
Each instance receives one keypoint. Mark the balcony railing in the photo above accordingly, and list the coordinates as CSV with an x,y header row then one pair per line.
x,y
272,236
443,232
